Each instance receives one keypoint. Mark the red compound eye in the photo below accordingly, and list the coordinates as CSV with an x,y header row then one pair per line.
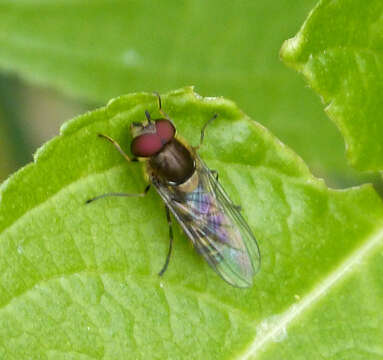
x,y
146,145
165,130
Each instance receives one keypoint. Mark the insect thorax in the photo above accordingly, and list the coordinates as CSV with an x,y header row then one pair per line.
x,y
173,165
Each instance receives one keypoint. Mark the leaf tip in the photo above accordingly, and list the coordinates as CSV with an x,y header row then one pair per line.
x,y
290,50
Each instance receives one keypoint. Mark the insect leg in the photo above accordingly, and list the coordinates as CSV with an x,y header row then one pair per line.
x,y
117,146
119,194
203,130
215,174
170,242
162,112
237,207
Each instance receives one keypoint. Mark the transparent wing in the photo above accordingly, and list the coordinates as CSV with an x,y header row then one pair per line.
x,y
215,226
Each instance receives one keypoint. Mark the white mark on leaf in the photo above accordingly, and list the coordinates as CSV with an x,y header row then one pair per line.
x,y
20,249
270,323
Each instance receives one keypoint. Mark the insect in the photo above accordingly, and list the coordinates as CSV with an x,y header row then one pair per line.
x,y
195,197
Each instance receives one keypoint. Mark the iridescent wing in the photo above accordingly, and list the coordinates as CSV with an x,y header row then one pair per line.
x,y
215,226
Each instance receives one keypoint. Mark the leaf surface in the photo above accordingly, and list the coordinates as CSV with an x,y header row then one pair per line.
x,y
339,50
80,281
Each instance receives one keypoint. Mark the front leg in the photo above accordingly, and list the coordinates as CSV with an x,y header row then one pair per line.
x,y
203,130
118,147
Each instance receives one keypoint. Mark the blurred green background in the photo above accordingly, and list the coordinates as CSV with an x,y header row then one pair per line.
x,y
85,52
29,116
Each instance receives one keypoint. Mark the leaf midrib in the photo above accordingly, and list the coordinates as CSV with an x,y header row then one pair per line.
x,y
346,268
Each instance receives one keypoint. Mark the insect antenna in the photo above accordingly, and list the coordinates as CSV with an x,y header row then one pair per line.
x,y
148,116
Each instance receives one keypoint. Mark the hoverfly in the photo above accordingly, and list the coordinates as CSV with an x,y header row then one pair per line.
x,y
193,194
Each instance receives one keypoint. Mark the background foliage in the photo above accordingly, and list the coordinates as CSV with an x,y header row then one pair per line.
x,y
342,60
96,50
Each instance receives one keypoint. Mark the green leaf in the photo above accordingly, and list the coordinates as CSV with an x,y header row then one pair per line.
x,y
339,50
80,281
103,48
